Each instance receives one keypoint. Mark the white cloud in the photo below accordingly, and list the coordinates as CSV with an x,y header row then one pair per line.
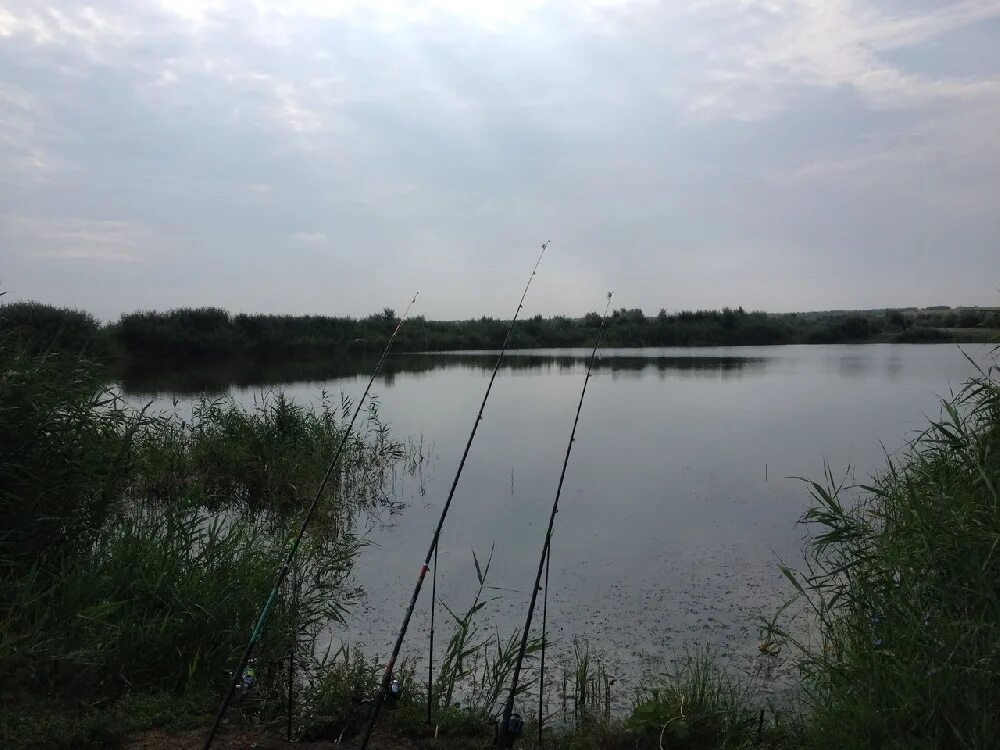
x,y
22,138
831,43
74,239
312,238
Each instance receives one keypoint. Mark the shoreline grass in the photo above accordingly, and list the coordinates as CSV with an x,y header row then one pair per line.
x,y
136,549
903,586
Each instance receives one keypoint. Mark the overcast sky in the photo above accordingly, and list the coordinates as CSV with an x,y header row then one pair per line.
x,y
334,156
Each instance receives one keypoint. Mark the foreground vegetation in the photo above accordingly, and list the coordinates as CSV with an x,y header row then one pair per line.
x,y
903,589
210,334
136,548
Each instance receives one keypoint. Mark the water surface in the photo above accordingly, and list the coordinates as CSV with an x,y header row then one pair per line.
x,y
679,498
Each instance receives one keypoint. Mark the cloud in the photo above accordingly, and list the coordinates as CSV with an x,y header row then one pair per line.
x,y
22,141
660,145
830,43
312,238
75,239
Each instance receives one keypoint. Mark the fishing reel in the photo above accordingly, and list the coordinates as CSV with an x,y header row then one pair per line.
x,y
393,693
513,730
246,680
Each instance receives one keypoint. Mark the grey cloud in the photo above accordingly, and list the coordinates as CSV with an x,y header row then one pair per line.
x,y
69,239
310,237
317,157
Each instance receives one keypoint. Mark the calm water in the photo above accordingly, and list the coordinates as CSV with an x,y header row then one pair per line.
x,y
677,503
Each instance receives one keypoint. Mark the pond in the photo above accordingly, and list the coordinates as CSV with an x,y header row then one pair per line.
x,y
681,494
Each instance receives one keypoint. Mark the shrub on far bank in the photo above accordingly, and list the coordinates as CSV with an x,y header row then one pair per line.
x,y
37,327
921,336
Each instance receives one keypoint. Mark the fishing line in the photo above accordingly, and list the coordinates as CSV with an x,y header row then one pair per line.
x,y
431,551
504,739
283,571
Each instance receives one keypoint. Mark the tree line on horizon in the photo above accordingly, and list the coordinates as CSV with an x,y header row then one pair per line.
x,y
209,333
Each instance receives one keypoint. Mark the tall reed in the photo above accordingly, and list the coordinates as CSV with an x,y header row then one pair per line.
x,y
136,546
902,587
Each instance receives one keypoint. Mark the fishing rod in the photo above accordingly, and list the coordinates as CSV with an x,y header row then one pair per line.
x,y
507,733
283,571
432,550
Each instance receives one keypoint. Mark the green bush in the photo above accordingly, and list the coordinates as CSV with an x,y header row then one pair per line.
x,y
37,327
61,448
921,336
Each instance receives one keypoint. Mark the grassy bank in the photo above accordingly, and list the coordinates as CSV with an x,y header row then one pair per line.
x,y
903,586
137,547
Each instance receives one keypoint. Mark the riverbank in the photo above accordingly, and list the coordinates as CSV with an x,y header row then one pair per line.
x,y
210,335
116,624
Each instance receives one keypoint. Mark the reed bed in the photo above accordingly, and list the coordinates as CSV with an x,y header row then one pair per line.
x,y
903,587
137,548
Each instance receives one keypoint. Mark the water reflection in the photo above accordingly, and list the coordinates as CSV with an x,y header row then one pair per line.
x,y
222,376
893,366
854,365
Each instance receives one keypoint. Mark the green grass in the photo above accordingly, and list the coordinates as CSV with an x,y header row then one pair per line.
x,y
470,686
903,588
137,549
700,706
40,724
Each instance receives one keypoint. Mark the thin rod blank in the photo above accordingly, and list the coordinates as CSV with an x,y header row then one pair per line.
x,y
430,645
502,735
291,656
391,664
541,665
283,571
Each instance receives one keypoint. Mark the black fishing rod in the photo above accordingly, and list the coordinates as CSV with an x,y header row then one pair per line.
x,y
507,733
283,571
432,550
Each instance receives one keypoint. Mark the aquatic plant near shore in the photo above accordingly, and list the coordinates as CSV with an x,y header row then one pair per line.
x,y
136,547
700,706
903,589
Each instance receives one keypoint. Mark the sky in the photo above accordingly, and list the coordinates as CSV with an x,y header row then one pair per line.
x,y
335,156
